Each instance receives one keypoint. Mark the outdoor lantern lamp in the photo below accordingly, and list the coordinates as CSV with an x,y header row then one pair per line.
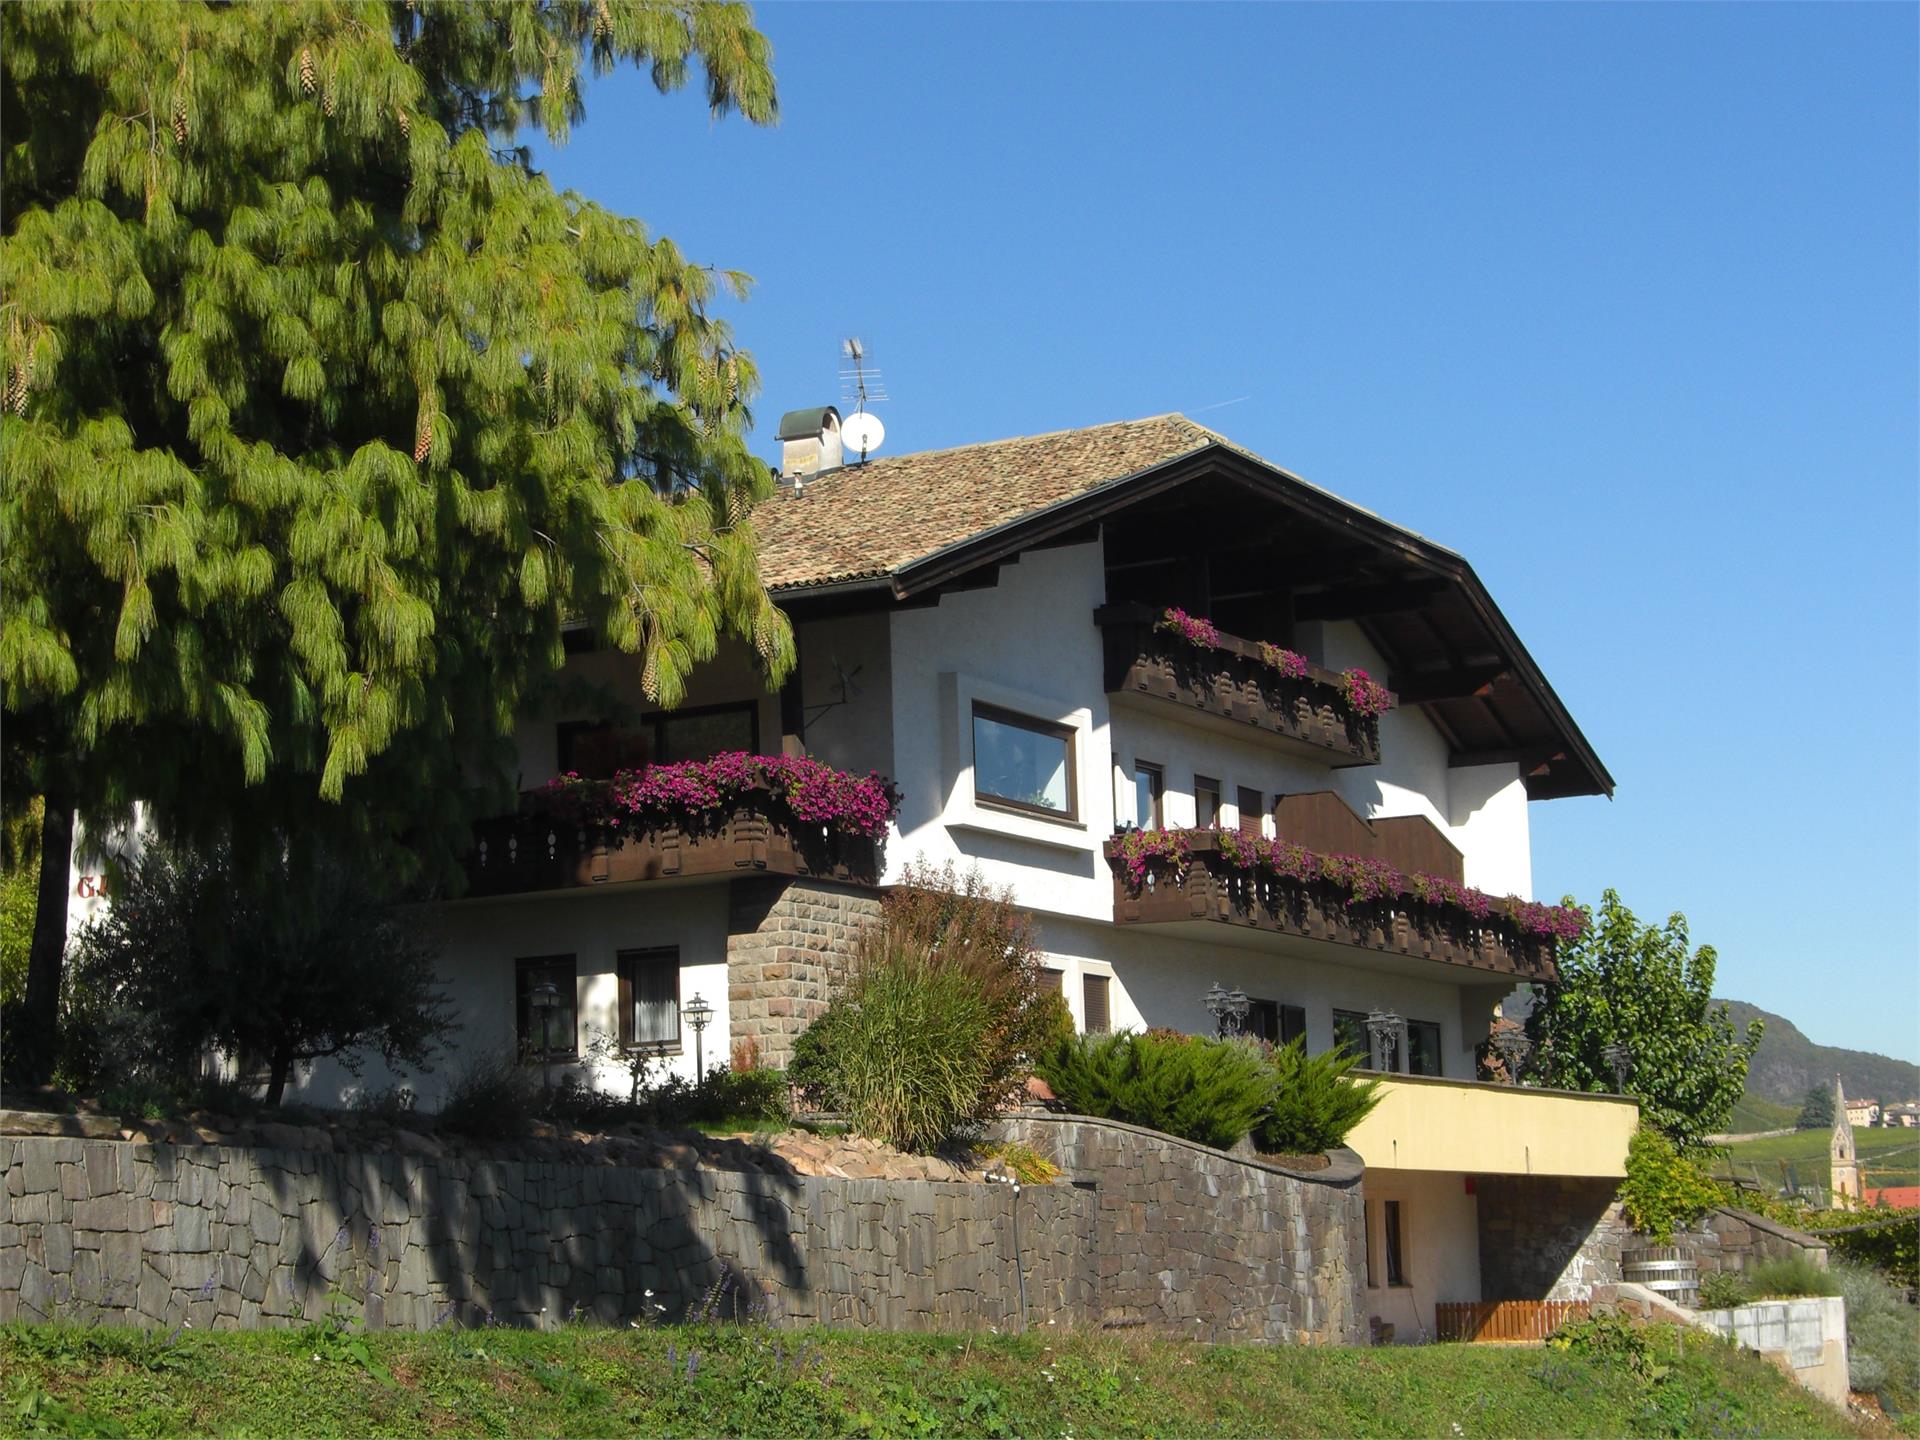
x,y
1514,1047
1619,1058
1383,1032
697,1012
1228,1008
544,999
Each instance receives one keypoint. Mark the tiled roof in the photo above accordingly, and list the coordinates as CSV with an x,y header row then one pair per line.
x,y
872,519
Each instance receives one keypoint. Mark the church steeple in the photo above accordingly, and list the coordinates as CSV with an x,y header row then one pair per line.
x,y
1843,1161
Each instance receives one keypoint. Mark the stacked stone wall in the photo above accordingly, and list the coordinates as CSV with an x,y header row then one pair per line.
x,y
112,1231
1196,1242
1555,1238
787,940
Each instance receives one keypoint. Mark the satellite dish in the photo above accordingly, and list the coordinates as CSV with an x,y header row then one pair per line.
x,y
862,432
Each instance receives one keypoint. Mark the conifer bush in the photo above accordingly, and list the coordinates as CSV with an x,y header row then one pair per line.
x,y
1317,1100
1209,1091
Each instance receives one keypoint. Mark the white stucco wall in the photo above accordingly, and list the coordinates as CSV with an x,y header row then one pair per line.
x,y
481,939
1161,979
850,729
1487,807
1440,1247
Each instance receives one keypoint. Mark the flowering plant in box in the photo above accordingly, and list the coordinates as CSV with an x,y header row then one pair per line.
x,y
1291,664
1364,694
811,792
1191,628
1363,879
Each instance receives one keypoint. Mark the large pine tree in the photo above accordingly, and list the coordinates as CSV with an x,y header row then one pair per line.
x,y
324,410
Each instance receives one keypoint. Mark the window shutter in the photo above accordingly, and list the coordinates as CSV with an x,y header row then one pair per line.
x,y
1093,994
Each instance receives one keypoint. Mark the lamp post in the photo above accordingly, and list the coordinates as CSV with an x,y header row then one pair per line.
x,y
1383,1034
1228,1008
697,1012
1514,1047
1619,1057
544,999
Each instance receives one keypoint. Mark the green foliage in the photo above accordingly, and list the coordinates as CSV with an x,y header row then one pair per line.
x,y
1209,1091
1665,1189
1723,1290
936,1029
1316,1102
1816,1111
1787,1276
1023,1162
1753,1113
305,963
17,896
1890,1245
1882,1327
324,410
1611,1339
1622,982
492,1097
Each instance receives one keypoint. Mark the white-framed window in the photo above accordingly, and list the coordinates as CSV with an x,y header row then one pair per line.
x,y
1018,765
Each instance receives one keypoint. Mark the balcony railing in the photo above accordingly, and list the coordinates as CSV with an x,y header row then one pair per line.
x,y
1214,888
532,851
1231,682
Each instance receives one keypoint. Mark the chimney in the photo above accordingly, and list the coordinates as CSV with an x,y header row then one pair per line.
x,y
809,444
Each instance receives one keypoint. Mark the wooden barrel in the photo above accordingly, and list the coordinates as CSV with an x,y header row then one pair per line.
x,y
1670,1271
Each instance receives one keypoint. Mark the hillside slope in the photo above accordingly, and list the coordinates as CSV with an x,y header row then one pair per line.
x,y
1789,1063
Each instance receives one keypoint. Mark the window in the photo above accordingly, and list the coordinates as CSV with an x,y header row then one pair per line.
x,y
650,998
1093,996
1350,1034
1149,785
700,732
1206,802
546,1030
1054,980
1249,811
1023,763
1423,1048
1394,1255
1275,1023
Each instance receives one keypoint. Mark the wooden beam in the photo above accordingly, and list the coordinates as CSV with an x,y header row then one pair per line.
x,y
1527,757
1350,602
1464,682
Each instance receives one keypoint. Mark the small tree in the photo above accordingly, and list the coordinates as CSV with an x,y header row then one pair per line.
x,y
1625,983
1816,1112
308,963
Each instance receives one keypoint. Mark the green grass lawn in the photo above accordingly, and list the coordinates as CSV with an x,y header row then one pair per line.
x,y
1889,1157
745,1381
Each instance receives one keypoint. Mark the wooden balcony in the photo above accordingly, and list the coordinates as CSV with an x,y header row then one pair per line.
x,y
1230,685
531,851
1216,890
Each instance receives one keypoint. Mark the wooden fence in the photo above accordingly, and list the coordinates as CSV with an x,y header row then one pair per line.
x,y
1489,1320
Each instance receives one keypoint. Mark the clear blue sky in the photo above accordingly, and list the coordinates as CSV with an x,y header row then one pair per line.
x,y
1619,301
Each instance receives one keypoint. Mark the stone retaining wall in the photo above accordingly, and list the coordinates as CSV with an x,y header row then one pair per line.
x,y
157,1234
1193,1241
1555,1238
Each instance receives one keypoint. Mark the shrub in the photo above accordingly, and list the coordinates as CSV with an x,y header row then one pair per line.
x,y
1610,1339
1881,1328
491,1098
1316,1100
1664,1188
941,1017
1208,1091
1723,1290
393,1103
757,1093
1788,1276
1891,1246
1023,1162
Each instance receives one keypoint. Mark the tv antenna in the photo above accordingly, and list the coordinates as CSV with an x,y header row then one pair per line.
x,y
860,386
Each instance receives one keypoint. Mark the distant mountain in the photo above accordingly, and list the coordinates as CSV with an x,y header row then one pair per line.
x,y
1789,1064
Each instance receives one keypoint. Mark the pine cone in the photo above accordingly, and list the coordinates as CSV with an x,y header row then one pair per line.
x,y
423,447
650,675
736,505
309,80
327,101
16,390
179,117
406,124
602,20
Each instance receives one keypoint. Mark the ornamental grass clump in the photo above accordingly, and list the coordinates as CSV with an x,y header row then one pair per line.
x,y
1209,1091
1317,1100
943,1011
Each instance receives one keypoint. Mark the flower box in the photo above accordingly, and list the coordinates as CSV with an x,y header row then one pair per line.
x,y
1243,682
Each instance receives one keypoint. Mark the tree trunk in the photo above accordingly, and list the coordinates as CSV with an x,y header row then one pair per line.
x,y
47,955
281,1068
